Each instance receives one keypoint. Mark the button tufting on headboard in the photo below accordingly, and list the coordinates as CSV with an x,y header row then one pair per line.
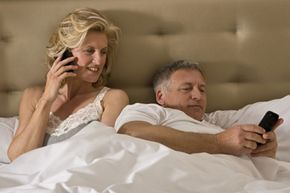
x,y
4,38
242,45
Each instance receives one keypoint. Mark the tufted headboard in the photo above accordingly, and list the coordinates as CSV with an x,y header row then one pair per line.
x,y
242,45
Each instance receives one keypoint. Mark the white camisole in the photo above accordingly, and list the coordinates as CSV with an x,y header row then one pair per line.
x,y
93,111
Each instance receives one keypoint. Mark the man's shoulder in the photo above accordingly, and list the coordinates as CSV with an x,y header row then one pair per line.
x,y
143,106
144,110
147,112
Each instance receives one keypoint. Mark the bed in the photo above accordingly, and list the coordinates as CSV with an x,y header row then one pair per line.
x,y
243,47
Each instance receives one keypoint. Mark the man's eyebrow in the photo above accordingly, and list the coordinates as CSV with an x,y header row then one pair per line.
x,y
186,84
190,84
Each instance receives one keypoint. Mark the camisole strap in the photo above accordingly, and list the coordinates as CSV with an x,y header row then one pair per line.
x,y
101,94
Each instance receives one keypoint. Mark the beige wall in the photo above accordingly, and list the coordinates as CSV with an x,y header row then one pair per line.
x,y
243,45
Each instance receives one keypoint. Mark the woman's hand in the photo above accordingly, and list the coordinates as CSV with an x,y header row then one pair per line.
x,y
56,75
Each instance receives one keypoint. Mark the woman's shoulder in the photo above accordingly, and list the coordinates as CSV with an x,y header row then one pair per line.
x,y
114,94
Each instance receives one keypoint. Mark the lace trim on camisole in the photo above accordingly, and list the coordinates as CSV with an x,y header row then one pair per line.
x,y
93,111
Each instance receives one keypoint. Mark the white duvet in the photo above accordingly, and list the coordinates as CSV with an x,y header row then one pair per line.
x,y
98,160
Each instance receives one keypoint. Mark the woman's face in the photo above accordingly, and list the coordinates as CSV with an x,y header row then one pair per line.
x,y
91,56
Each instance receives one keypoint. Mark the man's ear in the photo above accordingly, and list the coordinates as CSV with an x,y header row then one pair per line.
x,y
159,96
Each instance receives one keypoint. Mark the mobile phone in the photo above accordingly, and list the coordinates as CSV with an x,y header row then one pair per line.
x,y
67,53
269,120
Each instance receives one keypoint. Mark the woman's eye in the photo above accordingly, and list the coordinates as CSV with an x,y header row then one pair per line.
x,y
104,52
90,51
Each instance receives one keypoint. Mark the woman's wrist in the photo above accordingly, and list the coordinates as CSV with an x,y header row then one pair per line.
x,y
43,102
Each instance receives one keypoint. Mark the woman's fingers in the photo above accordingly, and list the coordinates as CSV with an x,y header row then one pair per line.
x,y
58,63
66,75
64,69
62,66
55,62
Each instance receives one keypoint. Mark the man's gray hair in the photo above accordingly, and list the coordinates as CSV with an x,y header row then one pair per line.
x,y
161,77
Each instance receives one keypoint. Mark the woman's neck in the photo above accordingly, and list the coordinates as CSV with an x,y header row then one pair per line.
x,y
73,88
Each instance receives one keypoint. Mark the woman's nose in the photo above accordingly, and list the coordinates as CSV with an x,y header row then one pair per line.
x,y
97,58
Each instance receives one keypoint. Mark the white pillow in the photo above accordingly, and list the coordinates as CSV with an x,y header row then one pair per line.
x,y
7,128
253,113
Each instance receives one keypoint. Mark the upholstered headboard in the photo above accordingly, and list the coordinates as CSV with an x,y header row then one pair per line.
x,y
242,45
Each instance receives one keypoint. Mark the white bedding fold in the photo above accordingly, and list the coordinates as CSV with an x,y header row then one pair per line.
x,y
99,160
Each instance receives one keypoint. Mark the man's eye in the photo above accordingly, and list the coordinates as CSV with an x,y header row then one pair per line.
x,y
186,89
202,90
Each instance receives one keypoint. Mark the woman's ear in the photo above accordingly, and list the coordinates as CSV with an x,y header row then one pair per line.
x,y
159,96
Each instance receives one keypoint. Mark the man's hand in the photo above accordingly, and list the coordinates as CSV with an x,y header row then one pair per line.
x,y
240,139
270,147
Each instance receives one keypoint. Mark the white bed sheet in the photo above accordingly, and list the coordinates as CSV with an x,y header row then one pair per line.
x,y
99,160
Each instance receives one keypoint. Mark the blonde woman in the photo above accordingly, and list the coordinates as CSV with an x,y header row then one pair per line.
x,y
79,57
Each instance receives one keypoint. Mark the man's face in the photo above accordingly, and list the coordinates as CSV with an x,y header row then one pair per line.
x,y
186,92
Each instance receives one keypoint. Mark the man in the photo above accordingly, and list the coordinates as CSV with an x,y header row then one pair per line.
x,y
177,121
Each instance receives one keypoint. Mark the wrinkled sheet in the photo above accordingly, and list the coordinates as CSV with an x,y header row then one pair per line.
x,y
98,160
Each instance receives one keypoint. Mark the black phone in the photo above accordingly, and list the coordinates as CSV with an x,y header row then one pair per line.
x,y
67,53
269,120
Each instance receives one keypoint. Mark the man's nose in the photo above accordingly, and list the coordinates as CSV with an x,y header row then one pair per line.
x,y
195,93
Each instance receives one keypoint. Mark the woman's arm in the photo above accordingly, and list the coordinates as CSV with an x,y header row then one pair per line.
x,y
33,118
114,101
35,107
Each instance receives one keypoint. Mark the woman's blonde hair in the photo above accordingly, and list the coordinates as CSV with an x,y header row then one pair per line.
x,y
72,31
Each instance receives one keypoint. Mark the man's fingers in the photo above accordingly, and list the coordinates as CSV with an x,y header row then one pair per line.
x,y
253,128
279,122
